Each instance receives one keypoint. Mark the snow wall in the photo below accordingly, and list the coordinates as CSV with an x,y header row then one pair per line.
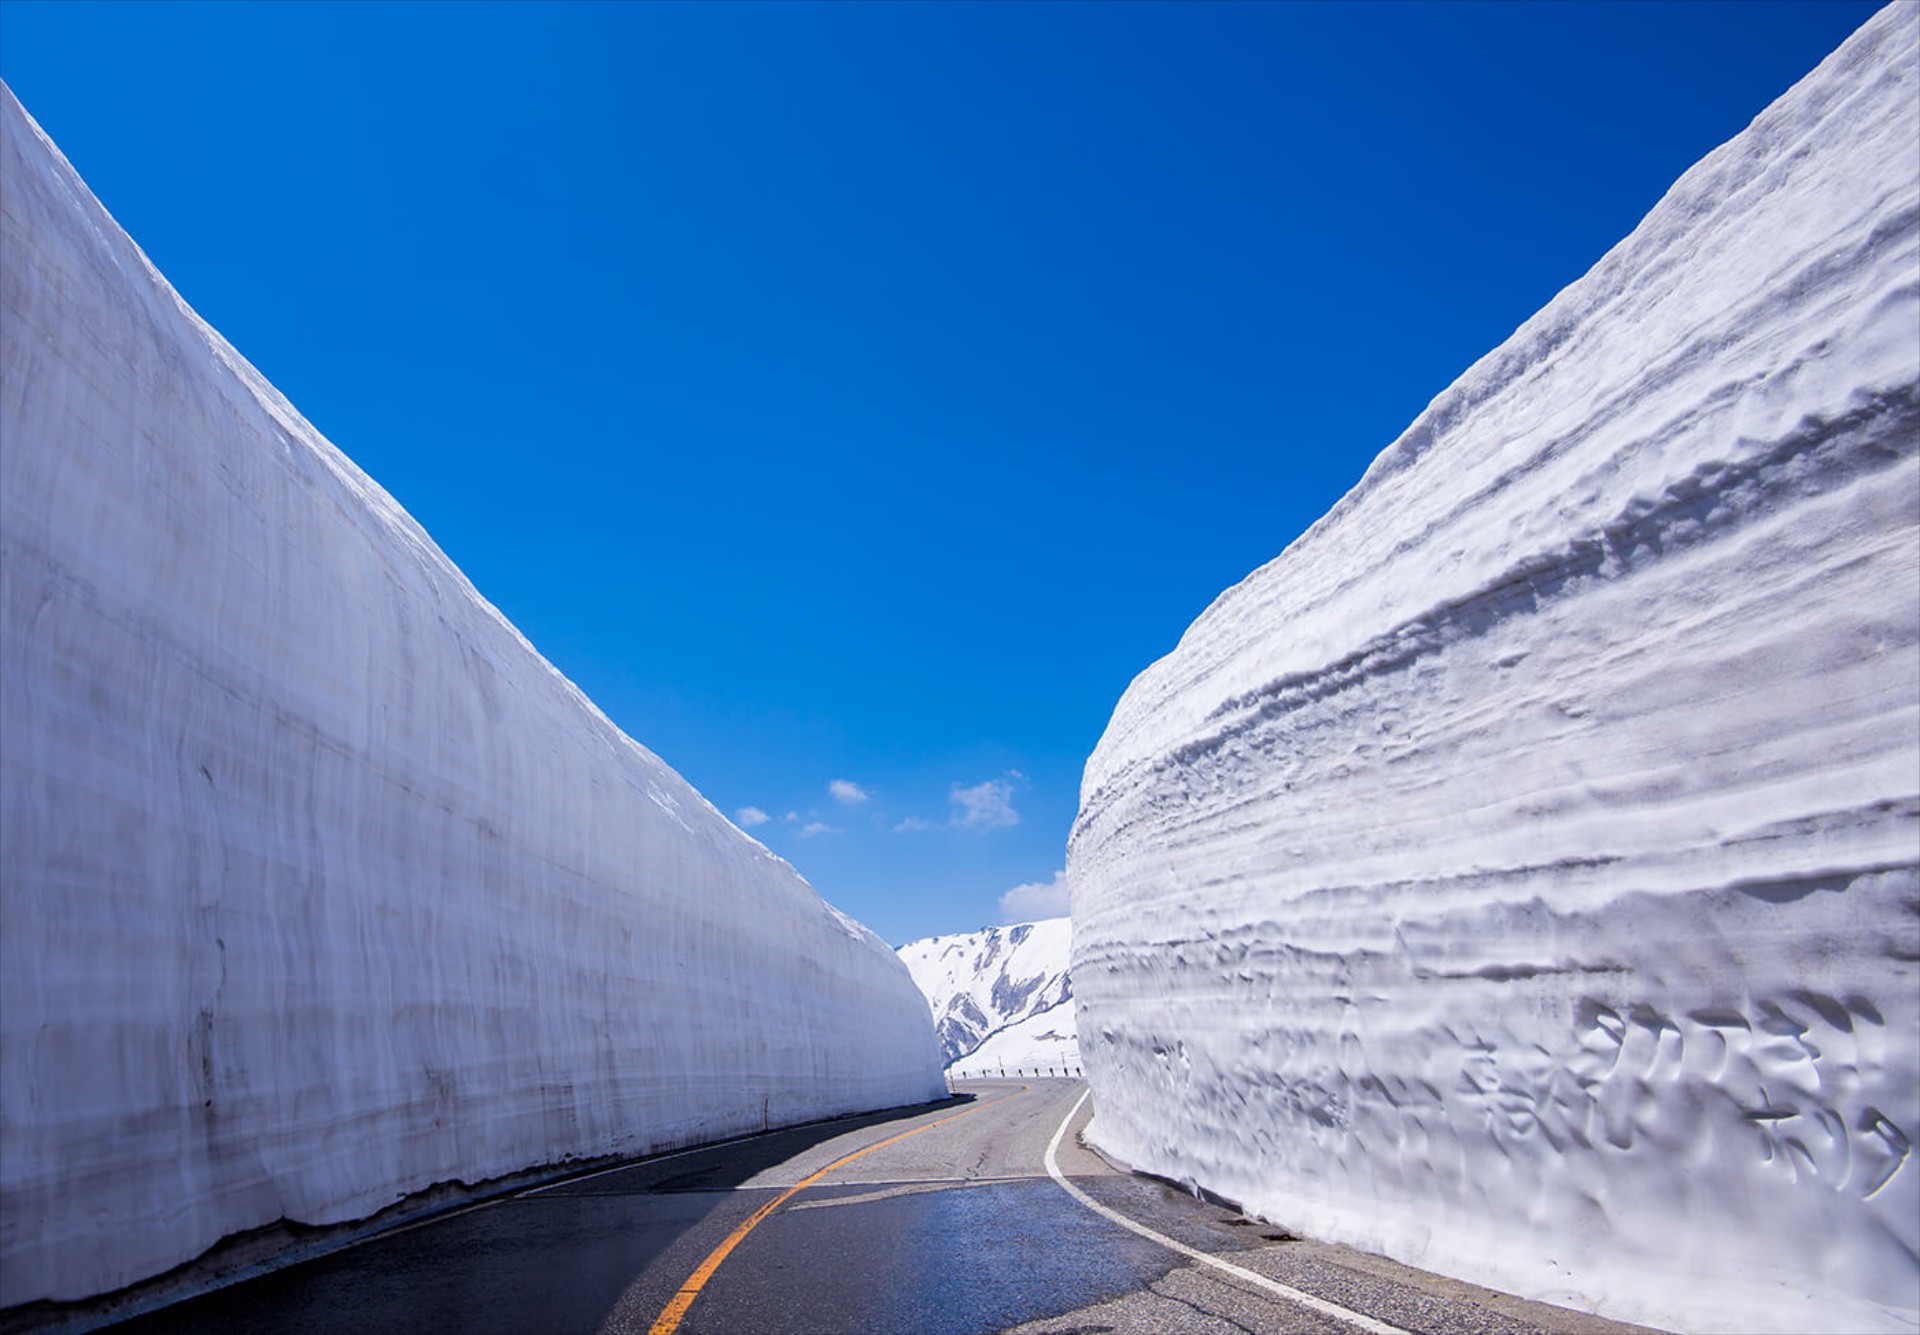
x,y
1519,875
320,885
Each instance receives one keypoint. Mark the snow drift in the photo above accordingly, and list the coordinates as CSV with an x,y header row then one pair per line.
x,y
319,885
1518,876
1000,996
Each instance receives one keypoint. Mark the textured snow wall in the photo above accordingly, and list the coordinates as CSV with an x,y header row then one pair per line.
x,y
1519,875
319,885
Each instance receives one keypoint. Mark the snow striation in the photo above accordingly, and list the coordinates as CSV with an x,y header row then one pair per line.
x,y
319,885
1000,996
1518,876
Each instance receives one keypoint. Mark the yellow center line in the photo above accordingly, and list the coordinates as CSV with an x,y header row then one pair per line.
x,y
676,1310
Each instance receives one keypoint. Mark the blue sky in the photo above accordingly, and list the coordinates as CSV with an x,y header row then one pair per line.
x,y
862,394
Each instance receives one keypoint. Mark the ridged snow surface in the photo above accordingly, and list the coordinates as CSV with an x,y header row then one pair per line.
x,y
317,884
986,985
1519,875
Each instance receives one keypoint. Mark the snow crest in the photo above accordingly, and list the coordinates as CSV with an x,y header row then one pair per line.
x,y
319,886
999,996
1519,875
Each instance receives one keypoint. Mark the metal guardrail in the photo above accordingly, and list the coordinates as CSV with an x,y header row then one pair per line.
x,y
1061,1070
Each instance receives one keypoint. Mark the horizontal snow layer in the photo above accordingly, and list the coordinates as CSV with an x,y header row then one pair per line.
x,y
1518,876
979,983
319,886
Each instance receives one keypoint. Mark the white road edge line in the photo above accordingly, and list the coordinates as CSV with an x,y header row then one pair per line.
x,y
1292,1295
630,1164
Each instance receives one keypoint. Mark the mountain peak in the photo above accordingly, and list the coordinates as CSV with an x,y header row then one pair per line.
x,y
995,985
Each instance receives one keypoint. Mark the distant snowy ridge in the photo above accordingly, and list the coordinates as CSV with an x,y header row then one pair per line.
x,y
1519,875
999,996
1044,1044
319,886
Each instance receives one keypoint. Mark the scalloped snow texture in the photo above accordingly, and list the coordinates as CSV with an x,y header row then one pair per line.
x,y
320,885
1518,876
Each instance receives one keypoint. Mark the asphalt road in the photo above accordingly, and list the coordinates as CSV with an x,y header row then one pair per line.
x,y
940,1220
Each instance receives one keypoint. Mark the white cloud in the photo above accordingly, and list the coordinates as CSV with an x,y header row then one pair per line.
x,y
814,827
748,817
984,806
1036,900
847,792
792,818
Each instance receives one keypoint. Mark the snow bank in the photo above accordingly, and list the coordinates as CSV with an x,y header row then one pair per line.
x,y
1046,1043
1518,876
320,886
980,984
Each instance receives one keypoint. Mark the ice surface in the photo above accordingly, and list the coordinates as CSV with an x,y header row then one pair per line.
x,y
319,885
1518,876
995,984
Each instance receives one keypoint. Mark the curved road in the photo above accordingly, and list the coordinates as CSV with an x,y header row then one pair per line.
x,y
922,1221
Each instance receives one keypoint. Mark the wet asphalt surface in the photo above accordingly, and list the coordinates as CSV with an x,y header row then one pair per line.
x,y
954,1230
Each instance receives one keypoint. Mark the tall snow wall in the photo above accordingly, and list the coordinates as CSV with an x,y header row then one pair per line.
x,y
318,885
1519,875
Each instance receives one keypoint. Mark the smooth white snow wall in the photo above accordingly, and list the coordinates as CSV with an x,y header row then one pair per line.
x,y
317,884
1519,875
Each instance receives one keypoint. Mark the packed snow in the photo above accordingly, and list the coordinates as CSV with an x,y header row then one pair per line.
x,y
1519,875
1001,997
319,885
1047,1044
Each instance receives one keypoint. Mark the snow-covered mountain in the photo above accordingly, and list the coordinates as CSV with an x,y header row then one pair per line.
x,y
1044,1044
1519,875
319,886
999,996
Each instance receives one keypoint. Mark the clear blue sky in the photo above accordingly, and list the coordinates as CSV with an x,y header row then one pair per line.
x,y
867,392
